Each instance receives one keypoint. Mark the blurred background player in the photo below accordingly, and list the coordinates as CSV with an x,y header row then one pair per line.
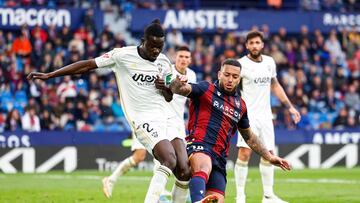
x,y
216,112
136,68
138,155
258,79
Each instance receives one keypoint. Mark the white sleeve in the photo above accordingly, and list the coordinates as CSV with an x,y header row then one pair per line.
x,y
192,76
273,64
242,68
106,60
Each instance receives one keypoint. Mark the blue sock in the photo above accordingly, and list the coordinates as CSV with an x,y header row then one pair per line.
x,y
197,186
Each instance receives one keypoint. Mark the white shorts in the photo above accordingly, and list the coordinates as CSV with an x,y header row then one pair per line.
x,y
264,129
136,143
149,133
175,128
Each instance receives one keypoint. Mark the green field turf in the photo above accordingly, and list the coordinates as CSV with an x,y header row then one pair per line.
x,y
333,185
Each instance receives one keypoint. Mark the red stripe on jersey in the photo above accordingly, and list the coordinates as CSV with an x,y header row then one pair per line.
x,y
232,103
243,107
204,113
192,117
219,146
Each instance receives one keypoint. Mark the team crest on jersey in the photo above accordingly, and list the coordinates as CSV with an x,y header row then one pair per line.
x,y
160,67
237,103
269,68
218,93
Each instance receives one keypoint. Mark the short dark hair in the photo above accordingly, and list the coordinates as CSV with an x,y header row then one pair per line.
x,y
254,34
154,29
183,48
232,62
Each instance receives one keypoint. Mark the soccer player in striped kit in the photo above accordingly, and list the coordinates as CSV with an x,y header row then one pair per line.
x,y
216,113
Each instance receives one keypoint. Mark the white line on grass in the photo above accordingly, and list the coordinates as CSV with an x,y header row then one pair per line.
x,y
147,178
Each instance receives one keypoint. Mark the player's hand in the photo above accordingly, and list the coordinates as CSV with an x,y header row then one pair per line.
x,y
295,114
280,162
160,83
38,75
182,78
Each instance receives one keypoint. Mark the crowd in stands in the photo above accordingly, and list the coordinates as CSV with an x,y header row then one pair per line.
x,y
125,6
320,73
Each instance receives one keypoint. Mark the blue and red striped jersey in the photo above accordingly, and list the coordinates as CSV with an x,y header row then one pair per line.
x,y
214,116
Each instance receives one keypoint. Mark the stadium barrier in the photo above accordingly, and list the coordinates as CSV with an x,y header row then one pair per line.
x,y
237,20
68,151
15,18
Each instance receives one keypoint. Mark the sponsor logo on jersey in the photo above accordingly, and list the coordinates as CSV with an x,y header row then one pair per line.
x,y
144,80
262,80
228,111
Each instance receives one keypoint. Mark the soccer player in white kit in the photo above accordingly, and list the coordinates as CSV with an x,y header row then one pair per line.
x,y
176,127
258,80
136,69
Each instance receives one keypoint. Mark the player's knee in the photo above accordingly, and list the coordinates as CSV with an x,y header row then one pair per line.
x,y
244,154
183,172
169,161
139,156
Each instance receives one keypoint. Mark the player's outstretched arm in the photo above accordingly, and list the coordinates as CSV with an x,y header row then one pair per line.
x,y
278,90
255,144
79,67
180,86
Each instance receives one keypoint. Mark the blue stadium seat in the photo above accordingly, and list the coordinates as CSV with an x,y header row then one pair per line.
x,y
21,98
99,127
7,103
81,84
18,106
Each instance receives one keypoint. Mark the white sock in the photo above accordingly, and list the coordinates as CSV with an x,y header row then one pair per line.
x,y
180,191
267,176
157,184
240,171
122,168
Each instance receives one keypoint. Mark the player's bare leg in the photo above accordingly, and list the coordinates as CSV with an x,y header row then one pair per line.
x,y
165,154
201,166
240,172
182,172
138,156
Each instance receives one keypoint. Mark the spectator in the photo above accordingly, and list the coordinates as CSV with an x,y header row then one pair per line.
x,y
352,98
13,121
341,120
30,121
22,46
67,88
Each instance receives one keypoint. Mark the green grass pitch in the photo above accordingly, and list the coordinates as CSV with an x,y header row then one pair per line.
x,y
330,186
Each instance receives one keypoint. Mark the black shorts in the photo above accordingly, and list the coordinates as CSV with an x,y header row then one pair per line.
x,y
217,178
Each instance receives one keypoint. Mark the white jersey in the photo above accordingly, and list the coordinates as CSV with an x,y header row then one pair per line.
x,y
256,86
177,104
135,78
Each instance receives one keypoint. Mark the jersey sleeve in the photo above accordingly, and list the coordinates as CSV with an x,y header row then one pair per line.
x,y
273,68
242,68
191,76
106,60
198,89
244,120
